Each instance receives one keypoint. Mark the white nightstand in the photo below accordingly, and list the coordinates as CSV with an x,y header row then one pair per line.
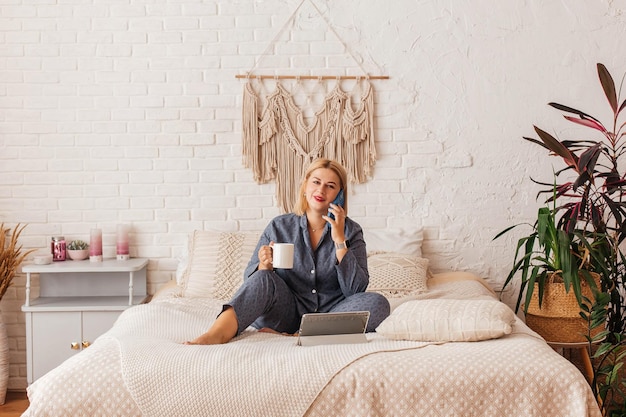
x,y
78,301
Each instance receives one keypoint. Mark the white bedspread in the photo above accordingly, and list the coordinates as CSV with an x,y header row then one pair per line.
x,y
516,375
140,368
253,366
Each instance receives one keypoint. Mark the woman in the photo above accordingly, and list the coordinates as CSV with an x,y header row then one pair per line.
x,y
329,272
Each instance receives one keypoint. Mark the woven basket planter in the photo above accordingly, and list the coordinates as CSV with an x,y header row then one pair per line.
x,y
559,319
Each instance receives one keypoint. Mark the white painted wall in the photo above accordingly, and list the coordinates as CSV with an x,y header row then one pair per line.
x,y
128,111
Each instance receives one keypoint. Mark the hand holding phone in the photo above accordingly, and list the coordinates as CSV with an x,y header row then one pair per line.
x,y
338,201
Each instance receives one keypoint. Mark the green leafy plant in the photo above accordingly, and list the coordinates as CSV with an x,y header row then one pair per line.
x,y
586,227
608,384
77,245
546,251
592,188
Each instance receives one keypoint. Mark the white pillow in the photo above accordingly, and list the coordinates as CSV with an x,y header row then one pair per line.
x,y
406,240
216,263
446,320
397,276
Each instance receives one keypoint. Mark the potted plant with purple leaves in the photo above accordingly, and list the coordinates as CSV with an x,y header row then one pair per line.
x,y
590,196
591,191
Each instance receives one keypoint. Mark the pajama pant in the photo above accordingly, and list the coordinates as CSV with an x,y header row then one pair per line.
x,y
265,300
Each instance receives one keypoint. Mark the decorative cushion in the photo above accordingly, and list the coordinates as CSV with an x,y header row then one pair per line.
x,y
396,275
216,263
406,240
446,320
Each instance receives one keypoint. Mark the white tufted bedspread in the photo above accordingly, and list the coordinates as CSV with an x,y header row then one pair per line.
x,y
252,374
140,368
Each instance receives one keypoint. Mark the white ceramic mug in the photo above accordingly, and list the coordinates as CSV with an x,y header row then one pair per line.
x,y
282,255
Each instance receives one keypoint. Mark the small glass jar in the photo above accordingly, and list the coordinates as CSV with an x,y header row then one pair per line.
x,y
57,247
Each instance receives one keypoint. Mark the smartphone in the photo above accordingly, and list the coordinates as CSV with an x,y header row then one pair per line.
x,y
339,200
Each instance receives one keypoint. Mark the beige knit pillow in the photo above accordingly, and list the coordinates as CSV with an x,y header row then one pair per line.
x,y
397,276
447,320
216,262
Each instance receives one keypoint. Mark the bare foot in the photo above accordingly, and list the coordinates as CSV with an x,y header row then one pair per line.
x,y
207,339
224,329
268,330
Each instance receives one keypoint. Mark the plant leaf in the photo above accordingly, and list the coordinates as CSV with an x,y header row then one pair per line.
x,y
587,122
572,110
506,230
531,286
608,85
583,178
557,147
538,142
604,348
588,159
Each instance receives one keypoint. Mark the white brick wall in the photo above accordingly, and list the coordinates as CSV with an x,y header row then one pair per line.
x,y
130,112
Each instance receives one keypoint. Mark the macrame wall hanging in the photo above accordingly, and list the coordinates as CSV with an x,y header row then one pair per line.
x,y
279,143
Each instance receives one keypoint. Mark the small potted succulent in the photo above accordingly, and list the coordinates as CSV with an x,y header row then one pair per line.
x,y
78,250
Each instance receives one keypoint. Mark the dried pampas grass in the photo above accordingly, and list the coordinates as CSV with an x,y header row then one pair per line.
x,y
11,255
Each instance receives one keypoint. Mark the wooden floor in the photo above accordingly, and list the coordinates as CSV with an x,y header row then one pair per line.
x,y
15,404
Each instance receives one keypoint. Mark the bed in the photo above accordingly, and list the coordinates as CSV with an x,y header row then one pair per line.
x,y
449,348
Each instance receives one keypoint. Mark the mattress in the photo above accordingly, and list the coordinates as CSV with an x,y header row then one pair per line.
x,y
141,368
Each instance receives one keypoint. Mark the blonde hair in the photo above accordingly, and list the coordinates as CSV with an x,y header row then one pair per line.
x,y
302,205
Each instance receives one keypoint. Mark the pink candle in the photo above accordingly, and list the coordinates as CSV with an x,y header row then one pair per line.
x,y
95,245
122,242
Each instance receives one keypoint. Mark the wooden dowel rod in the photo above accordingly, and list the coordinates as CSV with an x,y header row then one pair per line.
x,y
315,77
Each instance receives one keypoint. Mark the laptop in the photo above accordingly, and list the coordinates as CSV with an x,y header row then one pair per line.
x,y
333,328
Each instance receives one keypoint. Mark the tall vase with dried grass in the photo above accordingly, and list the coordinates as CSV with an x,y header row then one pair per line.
x,y
11,256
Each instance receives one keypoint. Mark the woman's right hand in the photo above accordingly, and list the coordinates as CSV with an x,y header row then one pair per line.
x,y
265,257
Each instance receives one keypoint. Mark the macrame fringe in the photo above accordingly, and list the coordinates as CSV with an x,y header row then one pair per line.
x,y
278,145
